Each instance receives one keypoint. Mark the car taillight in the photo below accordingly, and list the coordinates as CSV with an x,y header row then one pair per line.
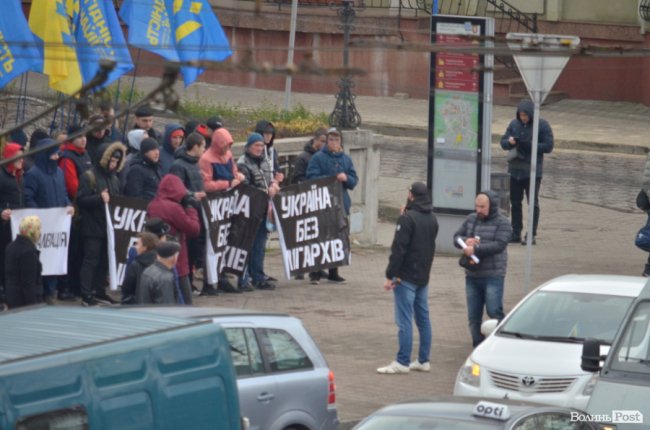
x,y
331,398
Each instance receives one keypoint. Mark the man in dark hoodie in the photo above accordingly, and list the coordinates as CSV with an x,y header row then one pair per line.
x,y
144,172
45,188
95,138
407,275
172,140
314,145
96,188
486,233
144,121
267,130
519,137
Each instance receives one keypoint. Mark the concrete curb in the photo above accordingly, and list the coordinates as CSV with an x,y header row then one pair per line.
x,y
577,145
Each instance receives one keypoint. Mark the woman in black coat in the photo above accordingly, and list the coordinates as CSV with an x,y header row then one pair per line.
x,y
22,265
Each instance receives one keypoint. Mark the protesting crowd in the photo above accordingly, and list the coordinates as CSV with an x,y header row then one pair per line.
x,y
174,173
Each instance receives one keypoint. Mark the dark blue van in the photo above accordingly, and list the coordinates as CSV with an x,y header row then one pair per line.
x,y
78,368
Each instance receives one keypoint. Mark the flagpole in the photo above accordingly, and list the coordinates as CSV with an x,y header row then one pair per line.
x,y
126,117
292,45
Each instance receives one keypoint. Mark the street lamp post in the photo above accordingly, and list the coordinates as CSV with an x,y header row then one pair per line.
x,y
345,114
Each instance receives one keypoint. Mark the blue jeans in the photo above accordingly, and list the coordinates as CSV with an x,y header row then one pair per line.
x,y
412,300
483,292
256,260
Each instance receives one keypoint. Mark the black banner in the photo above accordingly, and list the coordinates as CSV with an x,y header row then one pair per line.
x,y
127,218
233,218
313,227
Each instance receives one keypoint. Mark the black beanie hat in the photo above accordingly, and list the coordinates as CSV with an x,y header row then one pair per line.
x,y
148,144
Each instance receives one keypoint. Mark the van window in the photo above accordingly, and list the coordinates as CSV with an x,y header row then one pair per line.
x,y
61,419
633,353
245,351
283,352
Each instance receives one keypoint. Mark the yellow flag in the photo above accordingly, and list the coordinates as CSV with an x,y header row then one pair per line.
x,y
50,21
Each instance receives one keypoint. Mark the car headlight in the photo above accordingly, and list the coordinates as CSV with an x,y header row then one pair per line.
x,y
470,374
589,386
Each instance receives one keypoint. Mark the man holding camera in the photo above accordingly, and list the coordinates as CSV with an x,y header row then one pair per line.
x,y
518,139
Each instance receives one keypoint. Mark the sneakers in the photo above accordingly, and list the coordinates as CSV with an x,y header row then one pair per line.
x,y
420,367
89,302
336,279
265,285
225,286
208,290
66,296
269,278
314,280
104,299
523,241
247,288
393,368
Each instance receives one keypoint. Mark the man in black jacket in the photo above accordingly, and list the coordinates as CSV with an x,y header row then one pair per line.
x,y
407,275
144,173
486,233
95,190
302,161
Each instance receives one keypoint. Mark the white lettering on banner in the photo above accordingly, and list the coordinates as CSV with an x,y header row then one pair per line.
x,y
121,271
328,252
228,206
53,240
306,229
222,237
316,199
232,257
129,219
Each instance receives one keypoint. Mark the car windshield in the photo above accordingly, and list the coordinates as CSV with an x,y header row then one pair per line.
x,y
390,422
633,352
567,317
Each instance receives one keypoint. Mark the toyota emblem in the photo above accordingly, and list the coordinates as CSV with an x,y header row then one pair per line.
x,y
528,381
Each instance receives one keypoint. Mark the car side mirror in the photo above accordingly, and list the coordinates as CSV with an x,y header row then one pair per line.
x,y
591,355
488,327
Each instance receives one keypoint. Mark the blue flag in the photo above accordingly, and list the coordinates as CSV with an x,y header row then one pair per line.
x,y
198,35
98,35
22,55
177,30
149,27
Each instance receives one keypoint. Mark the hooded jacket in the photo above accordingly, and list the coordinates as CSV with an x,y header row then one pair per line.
x,y
217,165
519,167
44,183
302,161
414,243
186,167
325,163
184,221
495,232
167,151
74,162
92,183
270,152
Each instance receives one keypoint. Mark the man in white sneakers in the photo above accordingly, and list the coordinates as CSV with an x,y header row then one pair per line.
x,y
407,275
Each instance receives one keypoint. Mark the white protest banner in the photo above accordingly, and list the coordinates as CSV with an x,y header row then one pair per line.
x,y
55,237
312,226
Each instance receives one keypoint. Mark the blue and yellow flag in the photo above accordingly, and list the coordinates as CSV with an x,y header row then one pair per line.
x,y
51,23
98,35
177,30
149,27
21,55
198,34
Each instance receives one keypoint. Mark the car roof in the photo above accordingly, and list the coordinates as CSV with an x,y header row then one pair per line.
x,y
38,330
197,312
459,408
615,285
